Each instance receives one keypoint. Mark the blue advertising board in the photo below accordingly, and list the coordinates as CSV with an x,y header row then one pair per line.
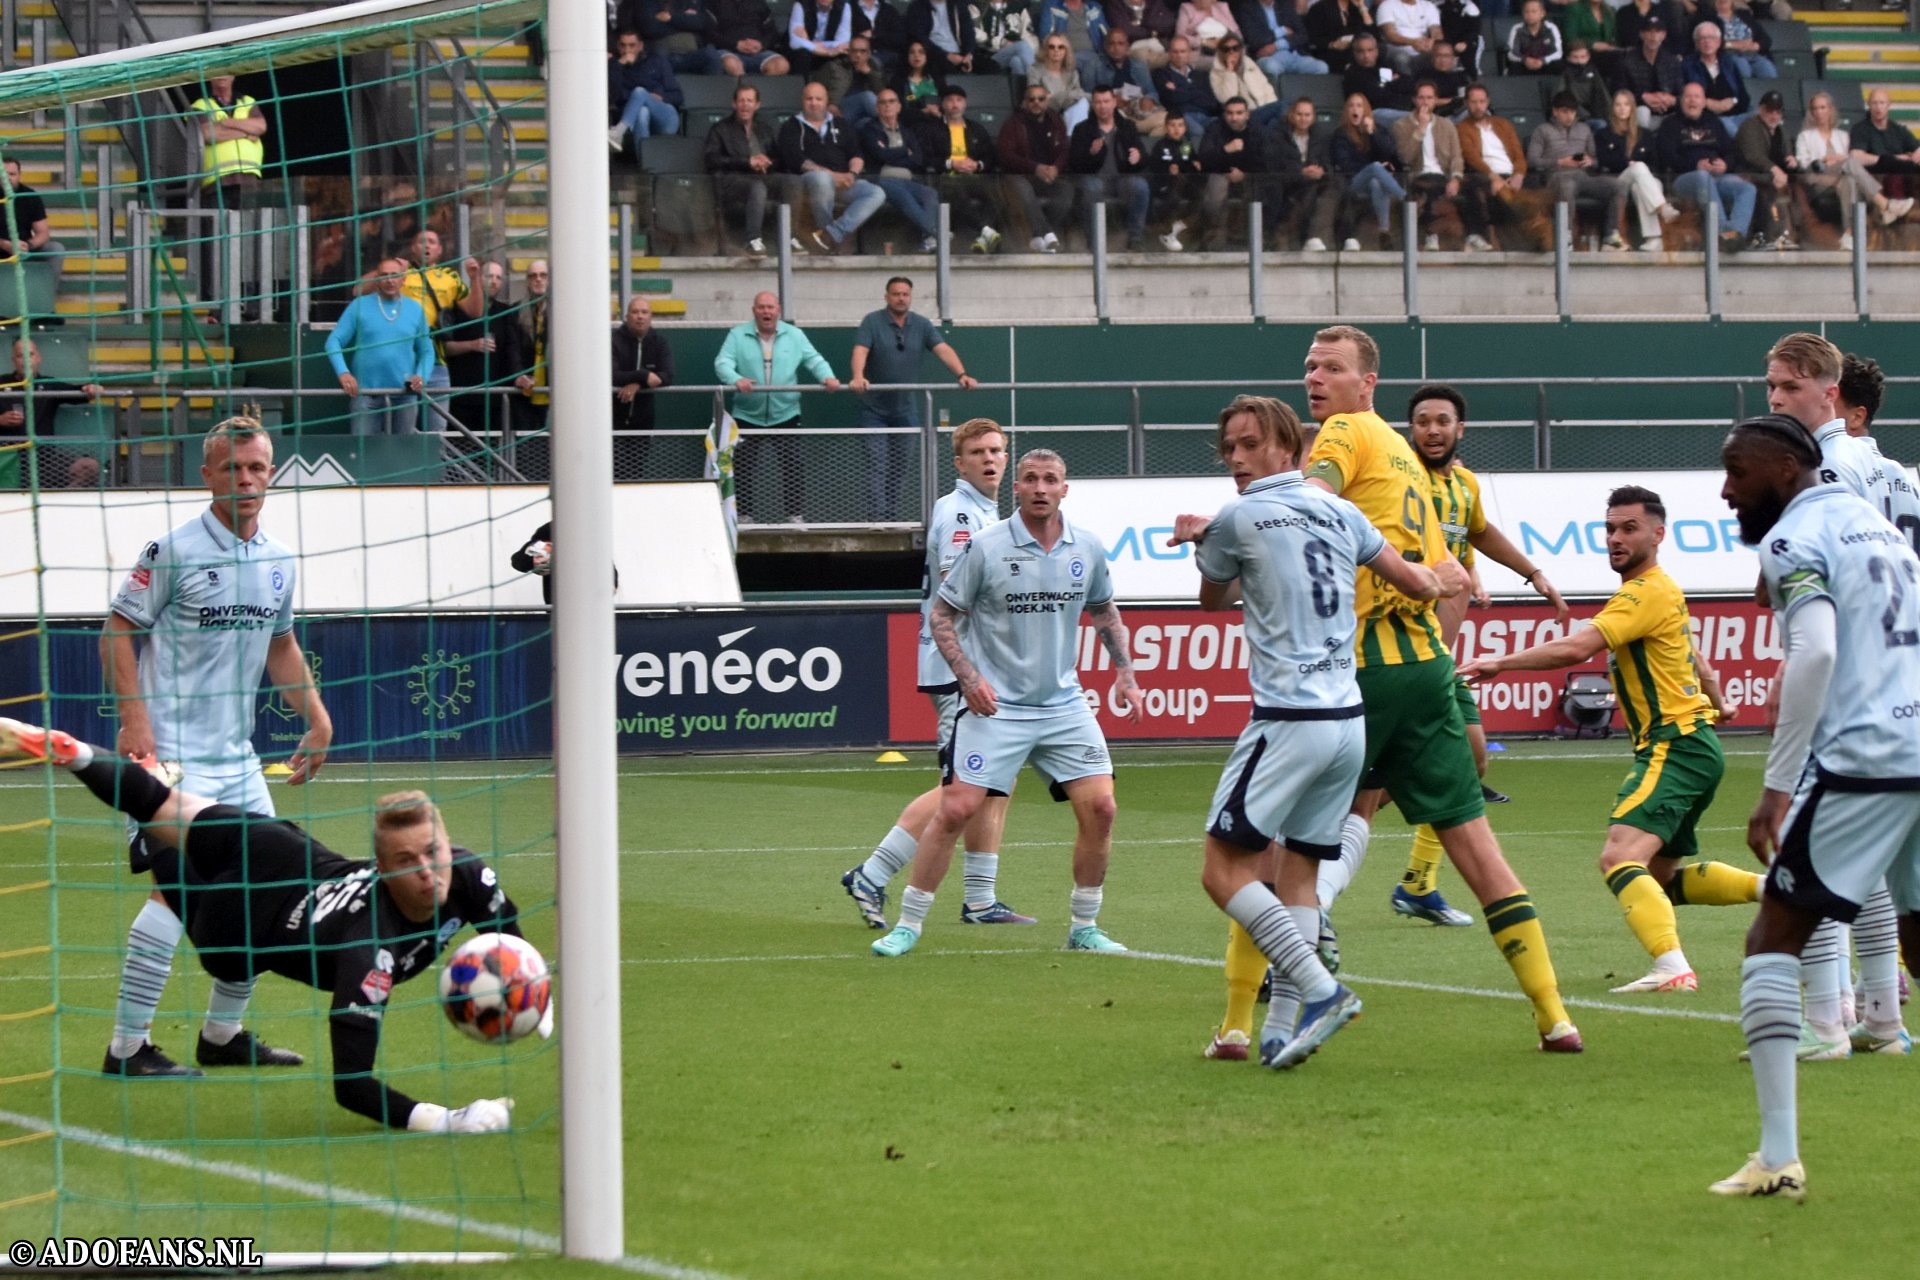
x,y
463,687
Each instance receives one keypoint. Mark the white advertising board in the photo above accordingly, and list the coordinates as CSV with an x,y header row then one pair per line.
x,y
386,548
1557,519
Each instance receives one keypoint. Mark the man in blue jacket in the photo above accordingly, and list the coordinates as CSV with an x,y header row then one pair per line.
x,y
642,92
386,333
769,352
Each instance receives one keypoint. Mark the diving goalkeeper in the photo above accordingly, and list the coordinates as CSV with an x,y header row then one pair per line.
x,y
258,894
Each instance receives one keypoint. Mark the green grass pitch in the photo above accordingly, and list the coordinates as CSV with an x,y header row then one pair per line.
x,y
989,1105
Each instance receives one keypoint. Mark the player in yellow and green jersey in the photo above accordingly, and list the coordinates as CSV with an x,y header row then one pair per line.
x,y
1436,422
1671,699
1416,739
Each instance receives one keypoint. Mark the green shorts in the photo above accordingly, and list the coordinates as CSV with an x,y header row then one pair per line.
x,y
1469,705
1417,744
1670,785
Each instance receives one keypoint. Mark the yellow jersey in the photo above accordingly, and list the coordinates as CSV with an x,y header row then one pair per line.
x,y
1372,466
1456,500
436,289
1650,659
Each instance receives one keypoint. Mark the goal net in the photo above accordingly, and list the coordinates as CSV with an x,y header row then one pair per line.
x,y
192,222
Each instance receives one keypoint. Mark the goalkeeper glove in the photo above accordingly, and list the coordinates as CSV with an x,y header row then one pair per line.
x,y
546,1022
488,1115
541,553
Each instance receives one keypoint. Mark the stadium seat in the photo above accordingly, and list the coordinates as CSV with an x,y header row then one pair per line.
x,y
988,120
778,94
701,122
1793,51
1325,91
1493,36
1511,96
985,93
665,154
703,92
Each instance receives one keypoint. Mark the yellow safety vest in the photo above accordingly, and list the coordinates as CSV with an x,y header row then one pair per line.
x,y
236,155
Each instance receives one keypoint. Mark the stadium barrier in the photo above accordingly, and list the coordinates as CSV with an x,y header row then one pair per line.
x,y
476,687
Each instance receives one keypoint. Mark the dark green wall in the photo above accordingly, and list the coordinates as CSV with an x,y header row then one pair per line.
x,y
1722,362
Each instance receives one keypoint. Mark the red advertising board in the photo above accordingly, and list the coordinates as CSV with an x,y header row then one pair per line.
x,y
1192,665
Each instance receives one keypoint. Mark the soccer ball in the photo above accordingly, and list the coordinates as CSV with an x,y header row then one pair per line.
x,y
495,988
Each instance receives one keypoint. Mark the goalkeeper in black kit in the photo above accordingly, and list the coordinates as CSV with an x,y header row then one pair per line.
x,y
259,895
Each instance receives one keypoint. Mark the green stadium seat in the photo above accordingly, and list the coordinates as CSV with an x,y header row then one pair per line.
x,y
708,91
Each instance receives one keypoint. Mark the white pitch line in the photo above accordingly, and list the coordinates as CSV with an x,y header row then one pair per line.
x,y
344,1197
1119,842
1214,962
1165,957
764,774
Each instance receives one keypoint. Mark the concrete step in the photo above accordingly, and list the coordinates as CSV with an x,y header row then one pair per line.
x,y
92,304
504,91
517,263
1848,57
1826,22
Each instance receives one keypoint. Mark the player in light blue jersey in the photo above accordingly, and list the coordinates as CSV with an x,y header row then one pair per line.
x,y
1841,804
1021,586
1289,553
979,460
1804,373
1881,989
213,602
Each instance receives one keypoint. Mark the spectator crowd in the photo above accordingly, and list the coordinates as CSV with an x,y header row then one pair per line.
x,y
1330,113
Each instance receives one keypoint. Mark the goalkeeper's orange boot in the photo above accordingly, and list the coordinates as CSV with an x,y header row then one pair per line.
x,y
31,742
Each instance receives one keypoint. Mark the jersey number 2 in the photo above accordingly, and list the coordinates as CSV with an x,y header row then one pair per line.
x,y
1885,573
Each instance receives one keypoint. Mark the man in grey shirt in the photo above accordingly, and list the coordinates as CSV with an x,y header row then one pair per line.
x,y
1561,151
888,349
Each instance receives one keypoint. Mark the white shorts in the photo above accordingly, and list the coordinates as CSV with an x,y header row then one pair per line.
x,y
1292,781
1839,840
989,750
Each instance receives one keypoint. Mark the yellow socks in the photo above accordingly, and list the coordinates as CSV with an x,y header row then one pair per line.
x,y
1648,910
1422,875
1245,968
1516,931
1713,884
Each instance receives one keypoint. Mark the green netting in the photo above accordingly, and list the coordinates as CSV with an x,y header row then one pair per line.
x,y
175,295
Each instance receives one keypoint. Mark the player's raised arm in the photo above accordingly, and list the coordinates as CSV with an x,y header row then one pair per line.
x,y
364,977
1496,546
1406,577
1577,646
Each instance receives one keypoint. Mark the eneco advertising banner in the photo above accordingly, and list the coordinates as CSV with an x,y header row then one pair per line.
x,y
1557,519
742,682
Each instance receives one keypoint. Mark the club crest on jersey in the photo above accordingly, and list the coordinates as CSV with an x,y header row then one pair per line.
x,y
379,980
975,762
1078,568
278,578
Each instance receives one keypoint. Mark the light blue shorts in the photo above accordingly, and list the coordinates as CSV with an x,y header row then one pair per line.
x,y
946,709
244,791
1291,781
989,750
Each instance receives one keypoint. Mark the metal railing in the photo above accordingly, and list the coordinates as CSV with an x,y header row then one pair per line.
x,y
845,475
502,150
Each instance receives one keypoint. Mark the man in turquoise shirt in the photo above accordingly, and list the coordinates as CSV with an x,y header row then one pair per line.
x,y
386,332
769,352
